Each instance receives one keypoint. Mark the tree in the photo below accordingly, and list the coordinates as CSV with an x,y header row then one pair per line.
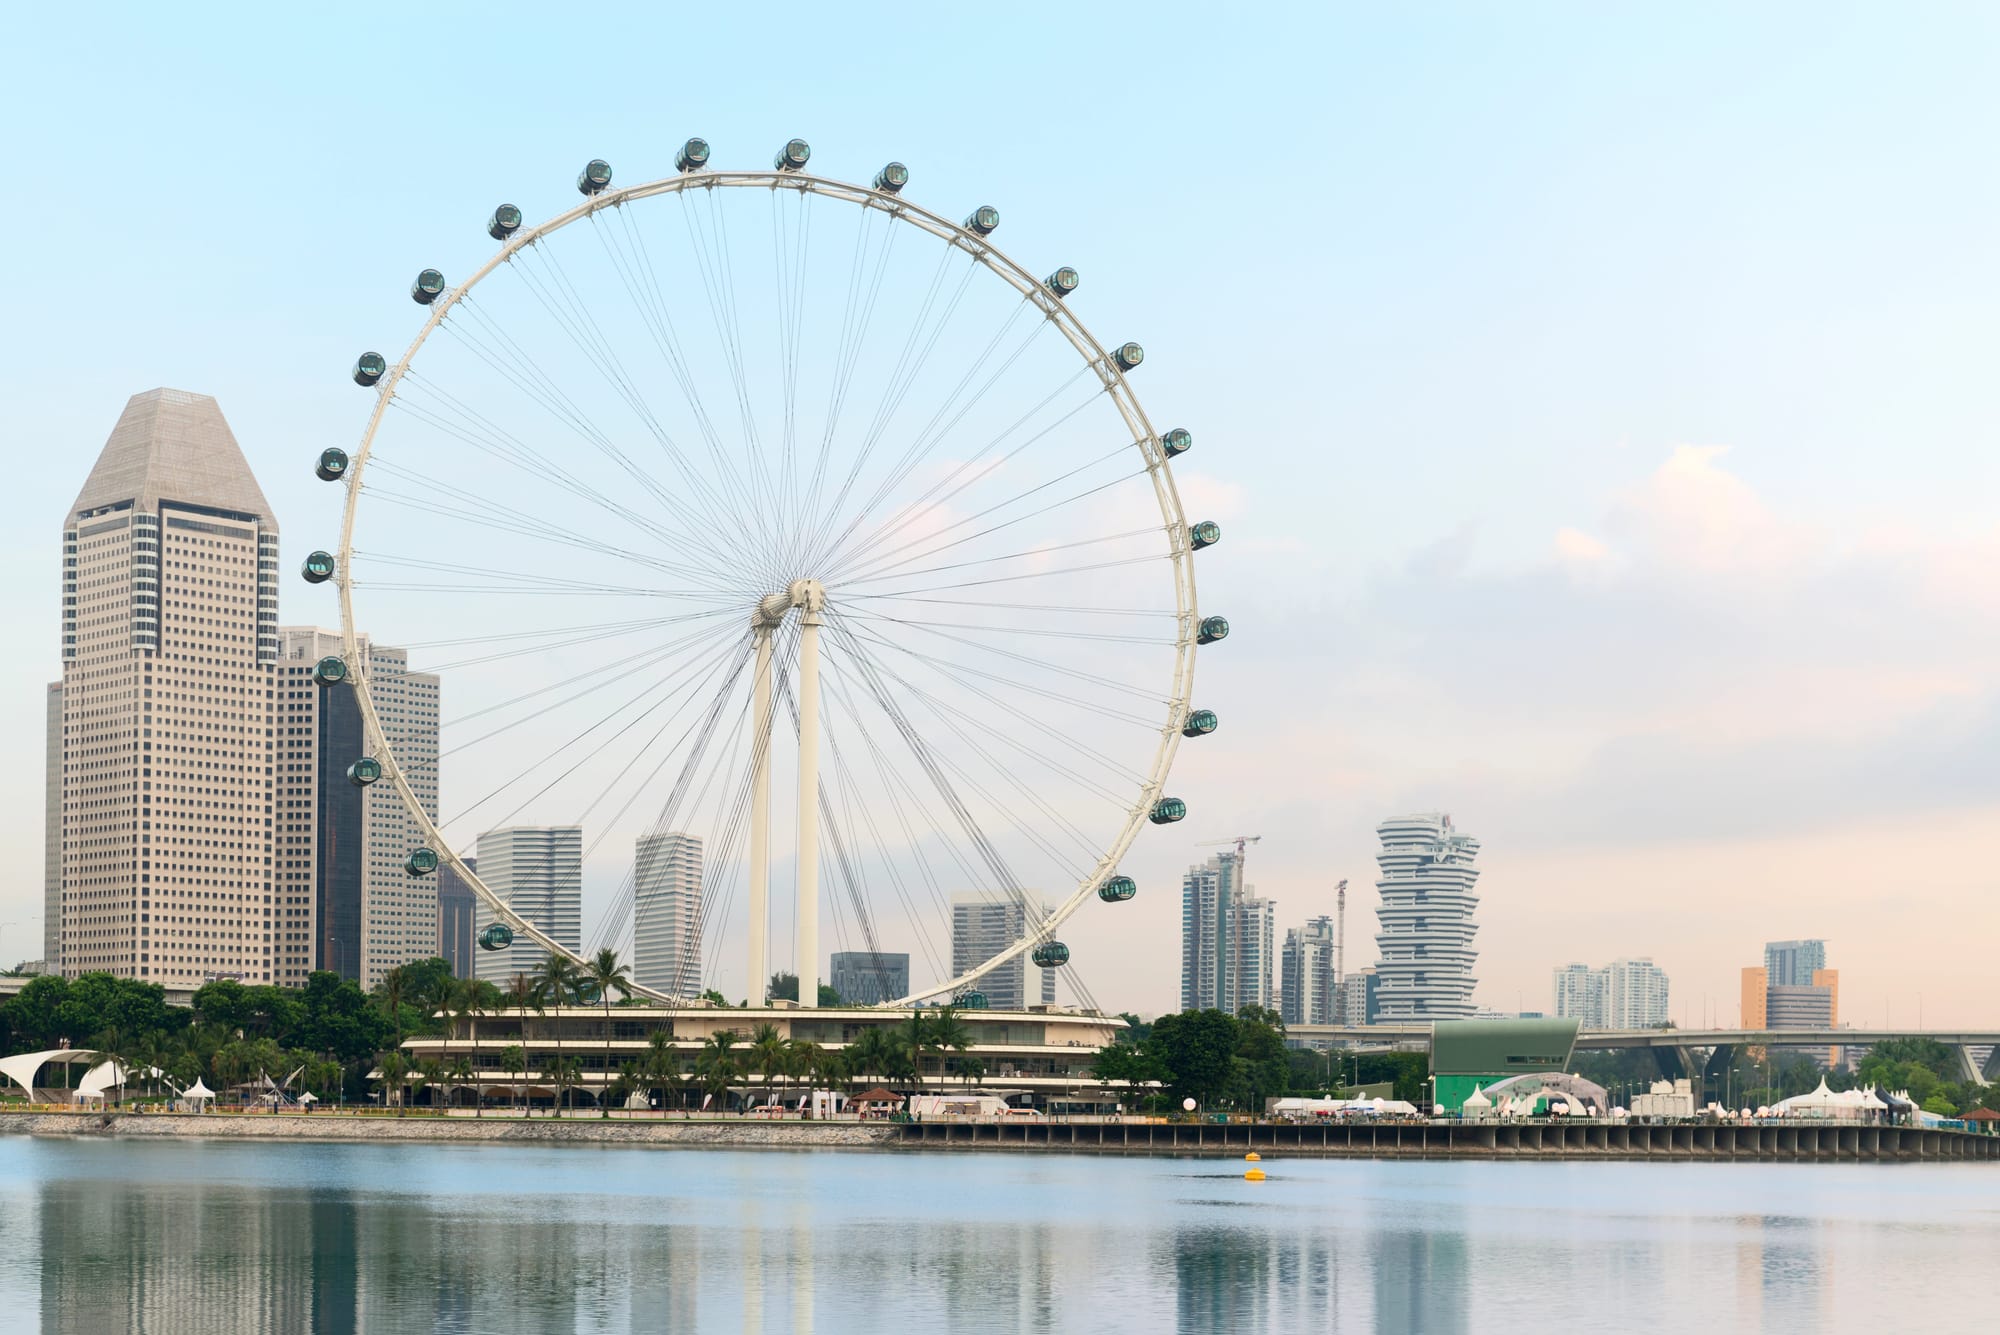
x,y
514,1061
1262,1068
869,1054
1198,1051
606,972
662,1064
461,1075
556,985
394,1067
716,1064
914,1046
714,997
1137,1031
767,1054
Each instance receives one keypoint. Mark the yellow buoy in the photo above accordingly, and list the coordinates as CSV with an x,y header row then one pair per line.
x,y
1254,1175
1253,1157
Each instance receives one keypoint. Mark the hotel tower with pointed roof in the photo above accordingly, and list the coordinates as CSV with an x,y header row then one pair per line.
x,y
169,647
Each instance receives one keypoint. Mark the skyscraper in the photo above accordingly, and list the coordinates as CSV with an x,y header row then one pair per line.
x,y
1228,938
346,901
1308,995
169,641
52,823
1793,963
1360,997
1624,994
1579,994
1794,990
983,925
1425,918
666,914
536,870
869,978
458,920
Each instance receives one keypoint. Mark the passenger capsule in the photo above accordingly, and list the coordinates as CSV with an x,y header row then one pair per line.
x,y
330,671
693,156
506,221
428,287
498,936
369,367
1200,723
1050,955
892,178
421,862
318,568
983,220
1167,810
1177,442
1211,630
1062,282
1205,534
970,1001
596,174
793,156
1118,889
364,771
1128,356
332,464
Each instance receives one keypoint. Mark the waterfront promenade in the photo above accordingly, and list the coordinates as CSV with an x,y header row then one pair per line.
x,y
1792,1141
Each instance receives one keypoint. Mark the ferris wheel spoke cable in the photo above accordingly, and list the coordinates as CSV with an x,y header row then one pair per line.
x,y
1026,554
1075,674
527,651
1066,608
1039,632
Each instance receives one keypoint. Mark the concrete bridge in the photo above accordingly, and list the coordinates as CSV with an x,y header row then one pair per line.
x,y
1700,1055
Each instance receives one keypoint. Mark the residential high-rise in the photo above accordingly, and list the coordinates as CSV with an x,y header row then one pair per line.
x,y
1624,994
1228,939
666,914
1308,996
1793,963
537,871
458,920
1360,997
169,641
869,978
347,903
1425,918
983,925
52,834
1579,993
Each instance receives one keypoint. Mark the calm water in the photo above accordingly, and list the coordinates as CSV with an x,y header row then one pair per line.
x,y
225,1237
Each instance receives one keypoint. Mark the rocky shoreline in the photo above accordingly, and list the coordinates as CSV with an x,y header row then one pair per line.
x,y
333,1126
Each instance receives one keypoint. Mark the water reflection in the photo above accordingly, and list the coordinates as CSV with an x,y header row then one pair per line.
x,y
108,1236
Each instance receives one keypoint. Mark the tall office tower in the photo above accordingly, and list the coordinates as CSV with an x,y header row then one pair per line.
x,y
1756,996
666,914
1793,963
1635,994
1425,918
1579,993
1308,994
983,925
536,870
169,638
346,901
458,920
869,978
1360,997
52,835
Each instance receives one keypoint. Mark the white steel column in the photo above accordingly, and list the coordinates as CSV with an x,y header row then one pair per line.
x,y
760,820
808,906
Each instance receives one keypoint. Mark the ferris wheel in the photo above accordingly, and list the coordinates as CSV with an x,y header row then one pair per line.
x,y
782,514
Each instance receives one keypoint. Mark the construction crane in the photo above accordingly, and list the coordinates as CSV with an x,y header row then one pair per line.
x,y
1236,894
1340,935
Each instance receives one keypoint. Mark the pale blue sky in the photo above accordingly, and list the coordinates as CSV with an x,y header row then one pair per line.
x,y
1442,294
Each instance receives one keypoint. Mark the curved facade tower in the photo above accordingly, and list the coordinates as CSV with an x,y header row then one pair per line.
x,y
1425,969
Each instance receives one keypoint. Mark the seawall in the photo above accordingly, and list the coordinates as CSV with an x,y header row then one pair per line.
x,y
573,1130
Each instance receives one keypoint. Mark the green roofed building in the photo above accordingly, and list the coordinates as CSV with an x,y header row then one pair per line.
x,y
1470,1054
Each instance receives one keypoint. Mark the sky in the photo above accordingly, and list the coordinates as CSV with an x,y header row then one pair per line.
x,y
1598,402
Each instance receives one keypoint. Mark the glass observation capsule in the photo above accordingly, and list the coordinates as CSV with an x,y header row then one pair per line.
x,y
1177,442
793,156
1050,955
693,156
1205,534
1118,889
1200,723
330,671
1211,630
506,221
1167,810
364,771
970,1001
1128,356
421,862
596,175
983,220
318,568
332,465
892,178
497,936
428,287
369,367
1062,282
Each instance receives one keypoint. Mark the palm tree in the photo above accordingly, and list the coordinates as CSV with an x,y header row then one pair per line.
x,y
394,984
605,972
716,1063
803,1057
430,1072
916,1041
461,1074
556,982
948,1032
663,1062
514,1060
767,1053
394,1067
562,1072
